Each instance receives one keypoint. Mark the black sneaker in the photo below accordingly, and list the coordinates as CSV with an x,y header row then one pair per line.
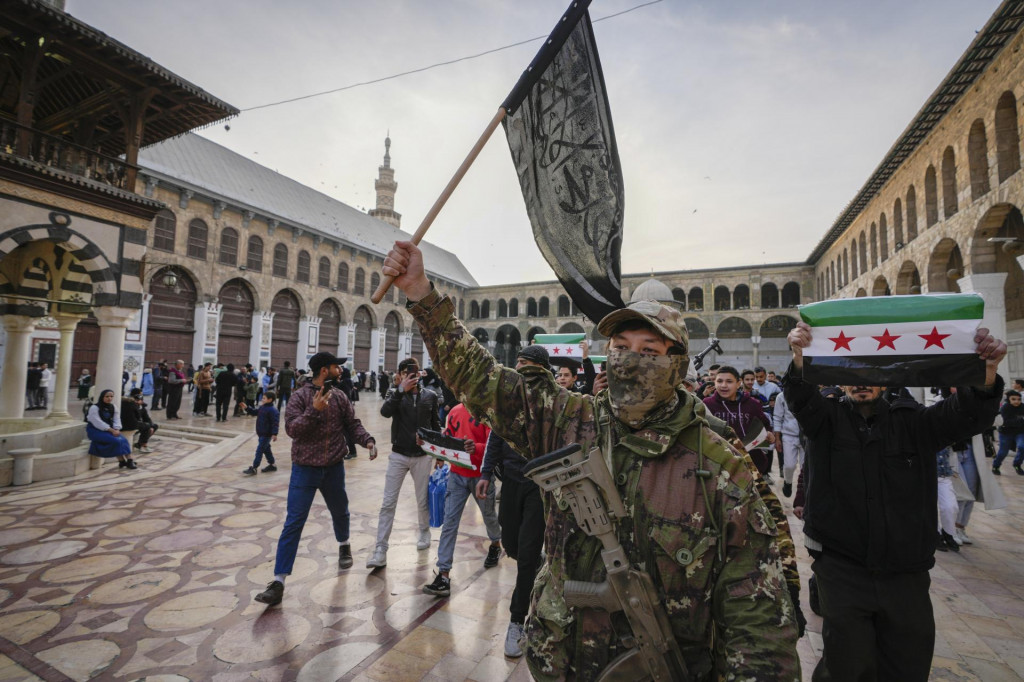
x,y
814,600
493,554
131,464
787,489
251,471
1019,470
122,463
950,542
272,595
344,556
267,469
995,470
441,587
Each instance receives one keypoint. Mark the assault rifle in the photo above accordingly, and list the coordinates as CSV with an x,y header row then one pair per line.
x,y
698,359
588,487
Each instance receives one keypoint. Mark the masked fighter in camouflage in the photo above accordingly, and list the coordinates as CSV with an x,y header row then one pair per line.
x,y
694,521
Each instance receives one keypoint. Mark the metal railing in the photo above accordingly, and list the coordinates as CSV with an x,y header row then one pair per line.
x,y
61,154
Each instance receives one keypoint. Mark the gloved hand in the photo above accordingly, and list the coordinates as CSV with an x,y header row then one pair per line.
x,y
801,621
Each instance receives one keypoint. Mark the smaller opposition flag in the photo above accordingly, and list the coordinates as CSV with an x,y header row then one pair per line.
x,y
445,448
894,341
561,345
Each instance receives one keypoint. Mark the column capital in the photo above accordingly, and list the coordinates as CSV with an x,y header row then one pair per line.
x,y
986,281
67,323
114,316
19,323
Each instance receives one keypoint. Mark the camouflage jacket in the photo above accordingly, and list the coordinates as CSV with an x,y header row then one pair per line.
x,y
709,543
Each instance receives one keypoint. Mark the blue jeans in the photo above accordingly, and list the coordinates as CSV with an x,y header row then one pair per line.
x,y
969,471
302,487
1009,442
461,488
263,448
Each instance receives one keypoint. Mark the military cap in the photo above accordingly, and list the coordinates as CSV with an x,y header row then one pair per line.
x,y
664,320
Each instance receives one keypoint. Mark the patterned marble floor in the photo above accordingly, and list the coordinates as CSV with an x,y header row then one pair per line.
x,y
151,574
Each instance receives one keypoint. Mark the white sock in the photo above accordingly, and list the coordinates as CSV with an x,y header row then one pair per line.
x,y
343,544
280,578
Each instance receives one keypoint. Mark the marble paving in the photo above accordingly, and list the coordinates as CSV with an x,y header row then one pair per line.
x,y
150,574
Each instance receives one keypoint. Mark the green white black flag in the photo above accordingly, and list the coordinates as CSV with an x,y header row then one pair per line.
x,y
894,341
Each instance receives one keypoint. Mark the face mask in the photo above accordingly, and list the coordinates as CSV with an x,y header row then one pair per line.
x,y
640,384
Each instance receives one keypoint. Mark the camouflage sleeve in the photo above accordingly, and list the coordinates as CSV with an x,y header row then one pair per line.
x,y
754,616
528,410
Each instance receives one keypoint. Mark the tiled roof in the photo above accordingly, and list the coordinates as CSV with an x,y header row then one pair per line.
x,y
193,162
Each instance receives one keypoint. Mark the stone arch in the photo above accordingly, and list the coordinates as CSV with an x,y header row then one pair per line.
x,y
342,281
897,224
862,244
945,267
533,331
238,301
846,267
874,246
280,267
977,159
722,299
374,283
911,214
79,269
769,295
777,326
393,330
323,272
507,343
734,328
480,334
696,329
254,254
883,237
571,328
474,310
695,299
331,316
861,293
502,308
564,306
931,197
1000,221
949,198
908,281
165,230
359,284
227,254
284,338
303,266
881,287
194,280
485,310
679,296
543,307
364,322
741,297
198,239
531,307
170,325
1007,136
513,307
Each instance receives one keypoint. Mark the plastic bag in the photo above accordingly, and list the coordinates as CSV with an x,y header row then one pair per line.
x,y
437,489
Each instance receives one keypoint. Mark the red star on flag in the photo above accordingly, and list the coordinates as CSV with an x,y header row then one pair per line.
x,y
555,350
842,341
886,339
444,453
433,448
934,339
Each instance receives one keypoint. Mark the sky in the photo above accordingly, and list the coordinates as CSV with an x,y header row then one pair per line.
x,y
743,127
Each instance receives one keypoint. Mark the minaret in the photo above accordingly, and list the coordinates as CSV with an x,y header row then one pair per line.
x,y
386,187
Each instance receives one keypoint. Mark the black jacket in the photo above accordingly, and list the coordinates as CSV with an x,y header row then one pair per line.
x,y
871,489
499,452
408,412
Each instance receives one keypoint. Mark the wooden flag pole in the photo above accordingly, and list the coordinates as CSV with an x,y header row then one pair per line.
x,y
417,237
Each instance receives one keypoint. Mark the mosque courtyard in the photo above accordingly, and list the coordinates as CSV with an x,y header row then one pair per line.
x,y
150,575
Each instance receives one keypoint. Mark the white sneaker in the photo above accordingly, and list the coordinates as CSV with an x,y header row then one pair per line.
x,y
424,541
514,640
379,559
143,449
961,536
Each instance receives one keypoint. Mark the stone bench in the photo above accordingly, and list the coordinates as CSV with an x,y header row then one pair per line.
x,y
23,465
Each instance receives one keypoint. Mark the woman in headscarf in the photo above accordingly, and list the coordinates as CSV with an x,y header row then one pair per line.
x,y
84,382
104,430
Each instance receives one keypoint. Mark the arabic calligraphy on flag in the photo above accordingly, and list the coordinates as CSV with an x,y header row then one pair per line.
x,y
894,341
561,345
446,448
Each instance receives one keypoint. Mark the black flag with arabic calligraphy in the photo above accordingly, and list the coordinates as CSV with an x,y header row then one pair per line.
x,y
559,130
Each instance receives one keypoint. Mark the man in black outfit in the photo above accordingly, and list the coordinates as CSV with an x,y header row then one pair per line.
x,y
870,513
135,417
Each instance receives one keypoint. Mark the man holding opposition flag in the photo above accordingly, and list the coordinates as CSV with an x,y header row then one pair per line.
x,y
870,515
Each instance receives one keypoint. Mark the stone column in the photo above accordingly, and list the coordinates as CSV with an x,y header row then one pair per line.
x,y
259,342
207,332
309,340
378,337
405,346
990,287
19,330
67,325
755,341
113,321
